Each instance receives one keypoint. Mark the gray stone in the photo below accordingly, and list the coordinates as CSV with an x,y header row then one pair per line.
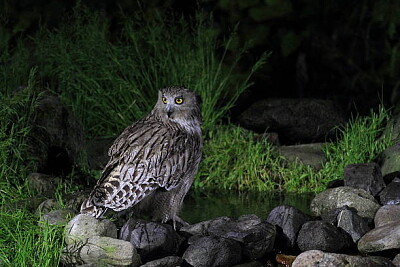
x,y
381,238
82,226
391,194
256,236
105,250
290,220
320,235
323,259
295,120
396,260
352,224
209,251
43,184
365,176
152,240
389,159
46,206
387,214
57,217
201,228
307,154
170,261
333,198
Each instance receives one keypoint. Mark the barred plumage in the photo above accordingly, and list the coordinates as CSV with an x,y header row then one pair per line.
x,y
154,160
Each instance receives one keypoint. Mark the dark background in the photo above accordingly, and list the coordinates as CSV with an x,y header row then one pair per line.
x,y
345,51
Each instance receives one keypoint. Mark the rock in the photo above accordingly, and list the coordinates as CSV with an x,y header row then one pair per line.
x,y
285,260
290,220
388,178
103,250
391,194
43,184
389,159
307,154
152,240
56,137
381,238
387,214
201,228
347,219
46,206
209,251
320,258
171,261
320,235
295,120
365,176
396,260
257,237
333,198
82,226
352,223
57,217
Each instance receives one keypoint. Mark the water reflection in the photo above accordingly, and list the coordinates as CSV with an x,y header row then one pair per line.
x,y
200,206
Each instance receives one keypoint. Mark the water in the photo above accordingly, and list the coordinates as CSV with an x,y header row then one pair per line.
x,y
200,206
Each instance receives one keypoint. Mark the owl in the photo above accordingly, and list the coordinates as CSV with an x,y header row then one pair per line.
x,y
153,162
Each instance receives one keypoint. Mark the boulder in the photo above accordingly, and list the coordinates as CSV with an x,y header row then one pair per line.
x,y
385,237
170,261
333,198
389,159
320,235
201,228
152,240
387,214
43,184
289,220
83,226
320,258
57,217
295,120
391,194
307,154
209,251
365,176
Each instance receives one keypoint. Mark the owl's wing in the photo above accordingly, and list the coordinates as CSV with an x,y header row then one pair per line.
x,y
146,156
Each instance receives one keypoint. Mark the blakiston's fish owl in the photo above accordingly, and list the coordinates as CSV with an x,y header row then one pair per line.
x,y
153,162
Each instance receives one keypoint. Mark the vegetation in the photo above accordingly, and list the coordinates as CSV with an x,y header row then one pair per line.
x,y
109,81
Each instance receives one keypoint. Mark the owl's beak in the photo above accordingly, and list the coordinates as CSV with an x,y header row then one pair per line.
x,y
169,110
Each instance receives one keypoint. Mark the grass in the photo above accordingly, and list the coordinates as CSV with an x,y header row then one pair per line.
x,y
109,81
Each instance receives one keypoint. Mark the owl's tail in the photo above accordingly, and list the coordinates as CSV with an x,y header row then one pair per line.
x,y
89,208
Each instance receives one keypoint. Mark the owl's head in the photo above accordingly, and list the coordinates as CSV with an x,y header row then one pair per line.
x,y
179,105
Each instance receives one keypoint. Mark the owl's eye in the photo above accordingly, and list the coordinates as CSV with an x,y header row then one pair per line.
x,y
179,100
164,100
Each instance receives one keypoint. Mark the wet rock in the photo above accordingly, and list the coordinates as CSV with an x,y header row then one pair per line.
x,y
333,198
307,154
290,220
391,194
43,184
82,226
57,217
209,251
387,214
171,261
256,236
295,120
365,176
320,258
152,240
320,235
385,237
104,251
352,223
